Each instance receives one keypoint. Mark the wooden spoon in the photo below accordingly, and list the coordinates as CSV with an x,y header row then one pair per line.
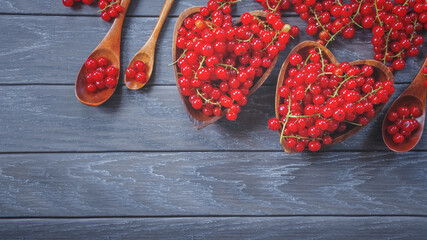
x,y
109,48
381,73
147,52
198,119
415,94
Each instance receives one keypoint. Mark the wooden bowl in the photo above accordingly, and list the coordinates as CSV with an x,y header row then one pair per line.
x,y
381,73
197,117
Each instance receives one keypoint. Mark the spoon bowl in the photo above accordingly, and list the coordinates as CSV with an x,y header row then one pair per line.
x,y
96,98
146,58
381,73
109,48
199,119
147,52
415,94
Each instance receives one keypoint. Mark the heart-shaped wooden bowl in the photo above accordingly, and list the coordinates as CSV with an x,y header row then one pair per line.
x,y
381,73
197,117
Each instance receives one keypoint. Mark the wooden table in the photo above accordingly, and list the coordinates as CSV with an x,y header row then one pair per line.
x,y
134,168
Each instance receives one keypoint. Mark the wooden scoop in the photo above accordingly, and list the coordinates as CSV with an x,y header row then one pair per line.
x,y
415,94
147,52
198,119
109,48
381,73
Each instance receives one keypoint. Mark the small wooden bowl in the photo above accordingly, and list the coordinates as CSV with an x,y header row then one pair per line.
x,y
381,73
197,117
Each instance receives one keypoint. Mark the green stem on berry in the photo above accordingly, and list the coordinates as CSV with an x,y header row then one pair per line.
x,y
357,12
211,25
355,124
206,100
377,14
317,19
324,73
339,86
229,2
229,66
108,6
305,116
247,40
386,45
306,60
335,34
413,33
367,95
182,55
307,88
321,59
200,66
286,119
301,137
274,9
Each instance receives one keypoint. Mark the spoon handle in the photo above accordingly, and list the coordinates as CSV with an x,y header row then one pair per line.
x,y
163,14
418,86
113,37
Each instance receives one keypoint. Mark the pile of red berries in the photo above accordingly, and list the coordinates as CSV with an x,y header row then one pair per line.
x,y
319,101
70,3
219,62
109,9
138,71
100,74
404,123
394,24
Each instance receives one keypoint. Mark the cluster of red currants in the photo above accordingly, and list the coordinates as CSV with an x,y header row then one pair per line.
x,y
109,9
100,74
319,101
137,72
219,62
404,122
70,3
394,24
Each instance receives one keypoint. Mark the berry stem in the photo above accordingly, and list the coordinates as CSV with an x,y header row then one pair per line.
x,y
377,14
229,66
321,59
182,55
339,86
357,12
355,124
108,6
317,19
367,95
206,100
386,45
200,66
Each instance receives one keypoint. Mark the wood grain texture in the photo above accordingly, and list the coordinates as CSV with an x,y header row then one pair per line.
x,y
138,8
42,53
212,183
49,118
327,228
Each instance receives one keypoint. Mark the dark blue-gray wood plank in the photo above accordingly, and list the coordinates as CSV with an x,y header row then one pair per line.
x,y
51,119
139,8
327,228
51,49
212,184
